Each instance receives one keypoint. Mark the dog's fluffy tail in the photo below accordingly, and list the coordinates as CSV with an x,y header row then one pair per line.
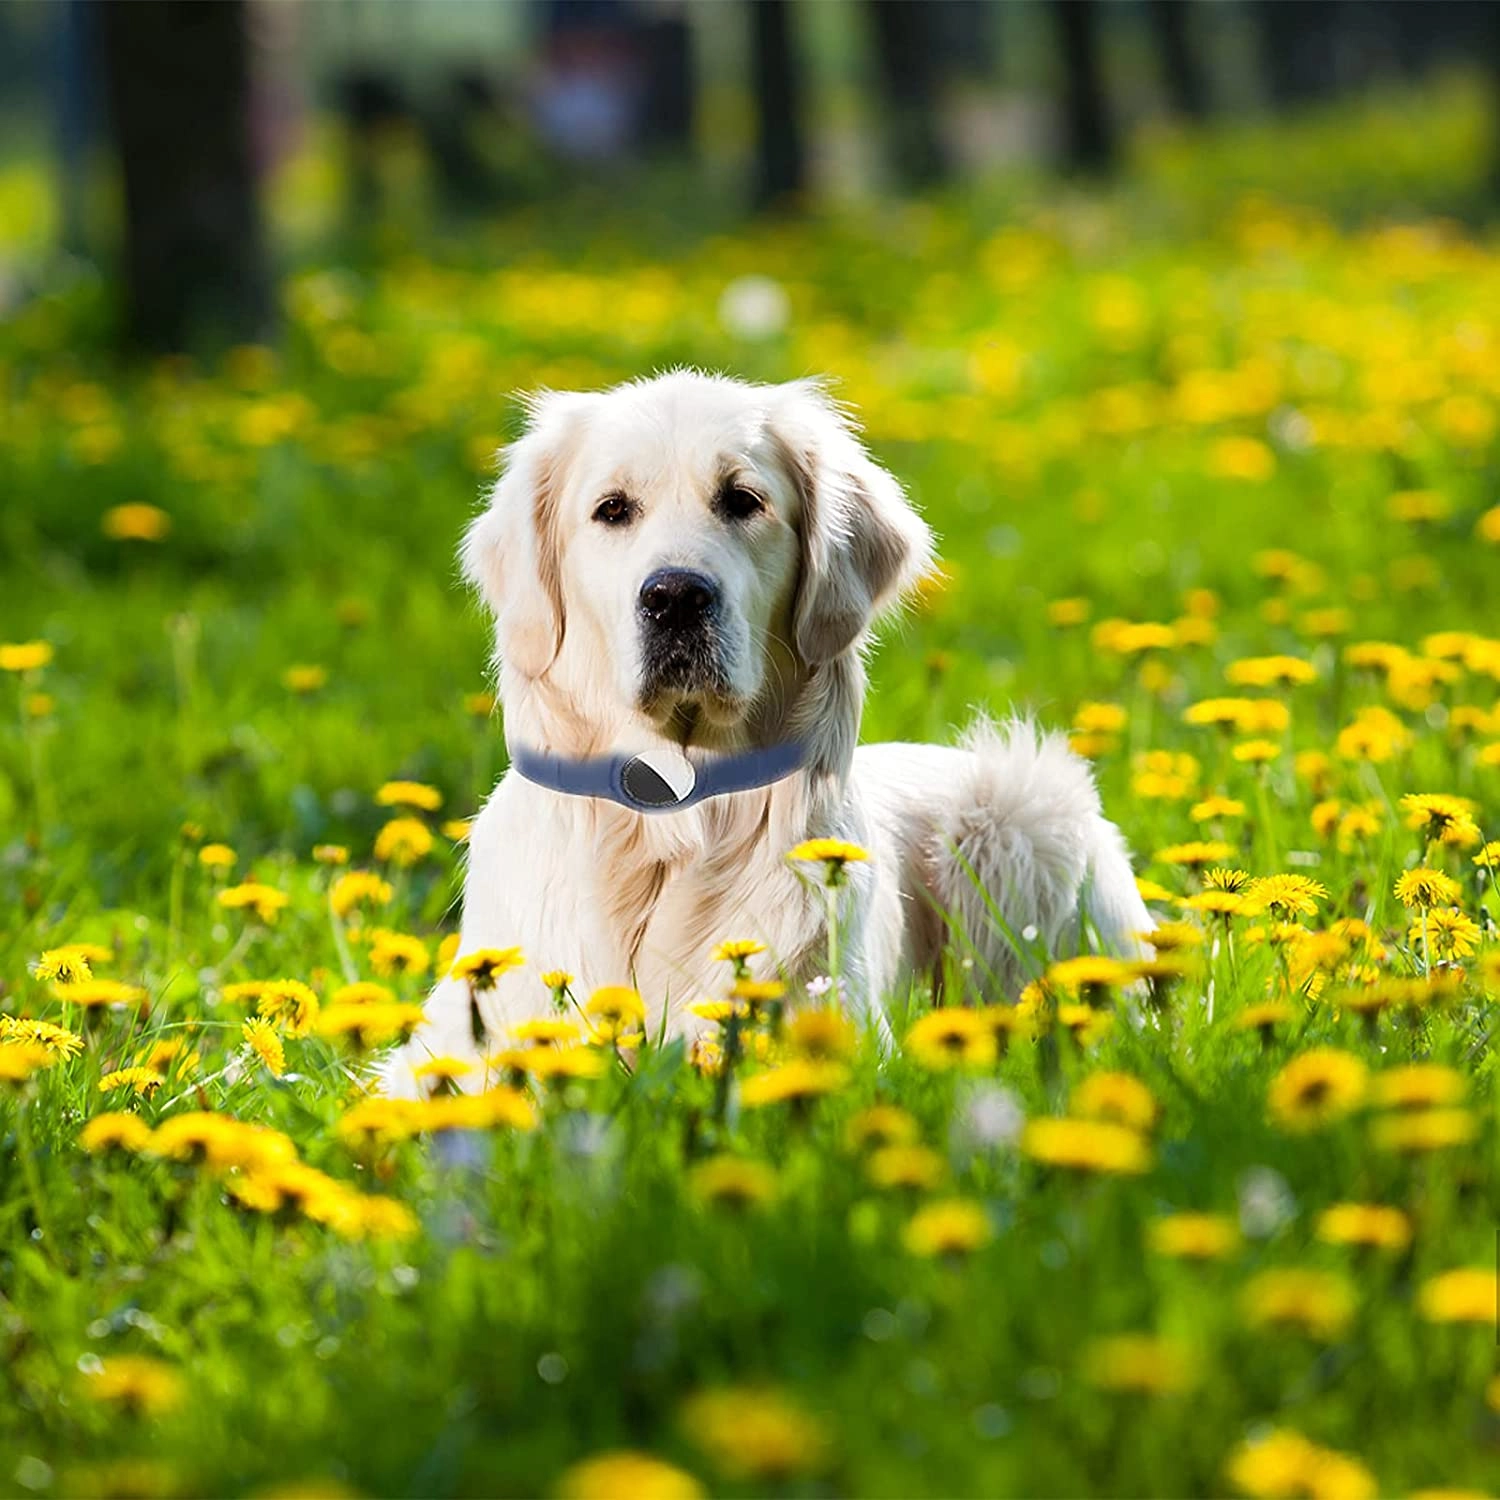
x,y
1028,869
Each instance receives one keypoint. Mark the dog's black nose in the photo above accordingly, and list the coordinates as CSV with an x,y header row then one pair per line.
x,y
678,598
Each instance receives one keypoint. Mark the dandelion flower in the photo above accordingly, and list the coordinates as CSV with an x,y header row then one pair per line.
x,y
1467,1295
290,1003
262,1038
1418,1132
65,965
397,953
264,901
755,1435
1119,1097
733,1182
616,1005
953,1037
1316,1088
1368,1225
1448,934
403,842
1139,1364
1285,894
820,1033
1317,1303
304,679
1422,889
358,888
951,1228
135,522
115,1130
736,950
139,1080
482,968
1284,1465
1417,1086
914,1167
880,1125
832,854
1086,1146
798,1083
1194,1236
137,1384
26,656
20,1060
47,1035
409,794
623,1473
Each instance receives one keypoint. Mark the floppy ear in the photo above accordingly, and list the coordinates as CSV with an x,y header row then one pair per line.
x,y
863,545
509,552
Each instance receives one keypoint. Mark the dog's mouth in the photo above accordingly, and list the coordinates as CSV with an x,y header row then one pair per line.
x,y
687,676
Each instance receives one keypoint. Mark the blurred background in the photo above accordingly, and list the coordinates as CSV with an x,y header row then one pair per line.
x,y
1127,294
187,151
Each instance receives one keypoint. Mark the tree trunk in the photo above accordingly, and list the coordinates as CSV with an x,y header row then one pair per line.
x,y
906,46
1182,77
1088,140
781,168
178,84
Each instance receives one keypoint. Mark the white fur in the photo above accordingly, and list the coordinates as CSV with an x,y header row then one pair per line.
x,y
614,896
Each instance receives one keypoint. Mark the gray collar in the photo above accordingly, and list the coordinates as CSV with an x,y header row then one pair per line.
x,y
662,779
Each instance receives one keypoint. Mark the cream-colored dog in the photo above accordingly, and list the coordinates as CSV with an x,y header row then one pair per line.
x,y
691,565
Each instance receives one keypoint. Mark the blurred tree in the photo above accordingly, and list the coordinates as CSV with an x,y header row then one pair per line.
x,y
781,159
907,50
1088,136
1299,49
1171,26
178,84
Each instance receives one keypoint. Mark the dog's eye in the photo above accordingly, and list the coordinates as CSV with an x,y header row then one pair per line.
x,y
739,503
615,510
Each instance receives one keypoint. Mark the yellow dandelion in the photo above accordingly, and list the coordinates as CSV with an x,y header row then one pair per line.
x,y
1317,1303
216,856
265,902
135,1383
1190,1236
1418,1132
755,1435
623,1473
733,1182
1119,1097
1422,888
135,522
397,953
798,1082
140,1081
409,794
953,1037
1284,1465
1368,1225
1467,1295
1316,1088
482,968
262,1038
1139,1364
1086,1146
736,950
403,842
880,1125
949,1229
914,1167
289,1003
358,888
116,1130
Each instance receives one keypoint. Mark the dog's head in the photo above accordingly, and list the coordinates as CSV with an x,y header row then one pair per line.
x,y
683,547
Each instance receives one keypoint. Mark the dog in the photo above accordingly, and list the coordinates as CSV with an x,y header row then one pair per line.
x,y
690,567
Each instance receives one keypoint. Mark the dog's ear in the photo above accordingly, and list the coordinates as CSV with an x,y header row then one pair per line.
x,y
510,550
863,546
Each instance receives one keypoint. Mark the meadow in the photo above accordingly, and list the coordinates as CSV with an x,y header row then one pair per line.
x,y
1215,475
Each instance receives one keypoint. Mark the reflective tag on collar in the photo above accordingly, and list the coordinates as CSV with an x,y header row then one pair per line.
x,y
658,778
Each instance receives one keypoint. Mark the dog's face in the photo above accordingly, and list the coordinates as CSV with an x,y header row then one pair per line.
x,y
682,547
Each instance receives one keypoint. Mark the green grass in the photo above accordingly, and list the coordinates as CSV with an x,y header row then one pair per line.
x,y
1088,405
